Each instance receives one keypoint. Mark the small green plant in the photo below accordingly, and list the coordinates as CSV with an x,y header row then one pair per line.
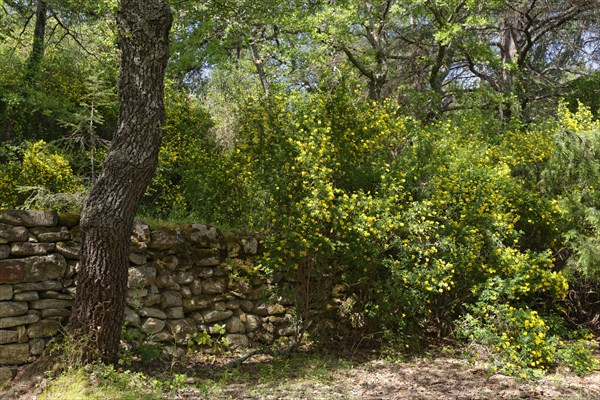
x,y
578,356
520,342
199,339
136,346
171,385
71,350
518,338
84,124
40,198
204,339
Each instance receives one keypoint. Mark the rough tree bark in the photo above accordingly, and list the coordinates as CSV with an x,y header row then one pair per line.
x,y
37,50
108,215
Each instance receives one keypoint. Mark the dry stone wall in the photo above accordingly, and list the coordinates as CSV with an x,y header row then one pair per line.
x,y
182,281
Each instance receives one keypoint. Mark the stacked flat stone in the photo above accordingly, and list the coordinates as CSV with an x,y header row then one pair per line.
x,y
182,281
36,284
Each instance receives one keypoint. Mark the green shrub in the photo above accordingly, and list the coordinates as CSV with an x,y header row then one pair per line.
x,y
578,356
32,169
430,230
572,176
184,146
518,336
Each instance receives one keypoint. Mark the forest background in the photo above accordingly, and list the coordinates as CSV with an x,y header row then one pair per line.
x,y
441,158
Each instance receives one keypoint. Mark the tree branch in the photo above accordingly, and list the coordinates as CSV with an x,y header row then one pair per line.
x,y
481,75
70,34
20,8
267,351
363,70
552,23
386,10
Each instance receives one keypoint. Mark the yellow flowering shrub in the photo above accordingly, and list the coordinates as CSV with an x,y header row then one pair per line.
x,y
431,229
519,338
578,356
503,315
42,167
33,167
462,228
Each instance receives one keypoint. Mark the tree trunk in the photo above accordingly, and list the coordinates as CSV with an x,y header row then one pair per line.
x,y
108,215
511,44
260,69
37,49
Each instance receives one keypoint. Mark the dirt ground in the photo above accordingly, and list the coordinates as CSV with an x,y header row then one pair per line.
x,y
444,377
441,378
447,378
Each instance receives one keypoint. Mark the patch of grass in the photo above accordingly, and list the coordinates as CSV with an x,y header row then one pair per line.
x,y
264,378
299,366
297,373
102,383
172,223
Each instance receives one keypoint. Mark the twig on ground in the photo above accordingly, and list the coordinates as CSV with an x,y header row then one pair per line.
x,y
266,351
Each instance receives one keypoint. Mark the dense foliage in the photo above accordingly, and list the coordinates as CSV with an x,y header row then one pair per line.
x,y
444,228
412,157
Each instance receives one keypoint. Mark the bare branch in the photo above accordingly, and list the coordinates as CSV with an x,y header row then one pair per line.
x,y
473,68
20,8
359,65
386,10
74,37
